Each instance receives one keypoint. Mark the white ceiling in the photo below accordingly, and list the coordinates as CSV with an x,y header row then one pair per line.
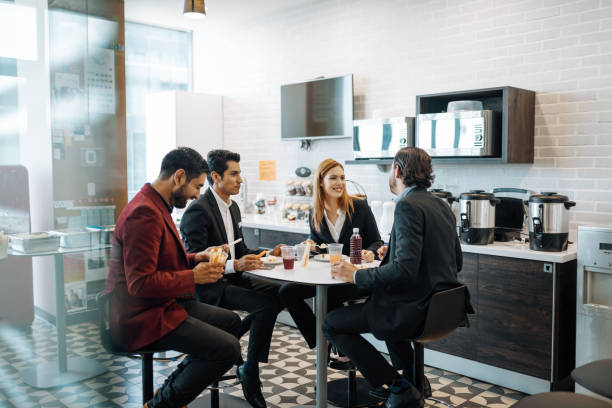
x,y
169,13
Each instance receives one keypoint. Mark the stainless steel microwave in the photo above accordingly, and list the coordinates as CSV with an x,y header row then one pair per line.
x,y
460,133
381,138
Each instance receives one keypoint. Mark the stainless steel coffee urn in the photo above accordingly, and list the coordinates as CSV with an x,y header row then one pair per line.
x,y
477,217
549,221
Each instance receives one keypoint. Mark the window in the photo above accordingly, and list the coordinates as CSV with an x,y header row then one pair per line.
x,y
156,60
18,46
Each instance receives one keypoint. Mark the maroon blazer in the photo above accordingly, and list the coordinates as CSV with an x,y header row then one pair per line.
x,y
148,271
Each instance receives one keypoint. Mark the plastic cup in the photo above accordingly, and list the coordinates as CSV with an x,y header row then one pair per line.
x,y
288,254
335,252
300,250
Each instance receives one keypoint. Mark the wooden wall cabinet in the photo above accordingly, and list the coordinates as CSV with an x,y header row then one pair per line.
x,y
517,107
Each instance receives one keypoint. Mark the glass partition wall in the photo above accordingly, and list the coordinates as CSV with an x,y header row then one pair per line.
x,y
156,60
73,84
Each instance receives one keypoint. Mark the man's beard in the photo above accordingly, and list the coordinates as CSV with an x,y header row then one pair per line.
x,y
179,198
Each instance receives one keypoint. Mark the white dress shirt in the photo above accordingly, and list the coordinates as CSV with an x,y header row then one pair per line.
x,y
226,216
336,229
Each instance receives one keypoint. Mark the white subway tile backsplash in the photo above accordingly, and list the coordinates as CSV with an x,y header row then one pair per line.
x,y
577,140
605,184
580,6
605,207
577,118
542,13
604,162
602,13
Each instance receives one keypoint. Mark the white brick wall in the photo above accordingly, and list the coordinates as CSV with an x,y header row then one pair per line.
x,y
562,49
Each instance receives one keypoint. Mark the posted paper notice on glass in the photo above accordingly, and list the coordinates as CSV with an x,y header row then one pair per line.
x,y
267,170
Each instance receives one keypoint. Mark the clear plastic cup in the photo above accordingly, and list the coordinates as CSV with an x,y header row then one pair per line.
x,y
288,254
300,250
335,252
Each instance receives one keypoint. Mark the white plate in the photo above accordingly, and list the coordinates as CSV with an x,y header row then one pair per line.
x,y
276,260
325,257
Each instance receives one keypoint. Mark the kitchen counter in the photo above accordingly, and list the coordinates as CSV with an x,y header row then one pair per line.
x,y
505,249
522,251
272,223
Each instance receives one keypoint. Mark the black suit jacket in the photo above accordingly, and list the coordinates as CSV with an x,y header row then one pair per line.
x,y
361,218
202,227
423,257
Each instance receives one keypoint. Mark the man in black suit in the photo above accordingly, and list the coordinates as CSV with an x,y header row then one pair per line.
x,y
423,257
212,220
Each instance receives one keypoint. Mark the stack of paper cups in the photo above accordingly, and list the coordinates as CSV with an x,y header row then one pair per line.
x,y
376,207
4,241
386,222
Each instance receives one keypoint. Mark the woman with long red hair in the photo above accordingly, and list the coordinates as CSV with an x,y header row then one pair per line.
x,y
335,214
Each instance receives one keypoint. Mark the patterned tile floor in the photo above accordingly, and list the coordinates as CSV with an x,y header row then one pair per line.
x,y
288,379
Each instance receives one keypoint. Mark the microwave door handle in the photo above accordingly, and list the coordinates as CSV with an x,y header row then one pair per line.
x,y
433,134
356,144
457,133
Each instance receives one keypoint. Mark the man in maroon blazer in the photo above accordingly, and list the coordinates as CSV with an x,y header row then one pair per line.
x,y
152,279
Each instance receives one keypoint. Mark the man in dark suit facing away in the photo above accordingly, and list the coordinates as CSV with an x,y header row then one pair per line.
x,y
214,219
423,257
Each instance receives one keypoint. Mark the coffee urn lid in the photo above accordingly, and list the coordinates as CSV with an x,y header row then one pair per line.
x,y
548,197
476,195
438,192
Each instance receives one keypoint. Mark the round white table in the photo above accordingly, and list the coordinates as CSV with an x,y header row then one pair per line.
x,y
317,274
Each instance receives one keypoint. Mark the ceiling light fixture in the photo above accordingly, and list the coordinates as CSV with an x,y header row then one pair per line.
x,y
194,9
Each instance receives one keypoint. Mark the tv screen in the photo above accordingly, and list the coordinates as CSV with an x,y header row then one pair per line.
x,y
317,109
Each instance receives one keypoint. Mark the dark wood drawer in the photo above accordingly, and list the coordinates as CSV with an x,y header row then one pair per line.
x,y
263,238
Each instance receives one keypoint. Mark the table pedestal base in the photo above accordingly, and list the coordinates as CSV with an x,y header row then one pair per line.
x,y
225,401
337,394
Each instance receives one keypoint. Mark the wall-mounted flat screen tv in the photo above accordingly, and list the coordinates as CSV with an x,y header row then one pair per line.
x,y
318,109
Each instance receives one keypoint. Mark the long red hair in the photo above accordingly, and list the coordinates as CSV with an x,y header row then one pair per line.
x,y
345,201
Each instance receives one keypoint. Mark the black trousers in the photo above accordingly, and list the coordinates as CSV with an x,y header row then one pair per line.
x,y
258,297
292,295
209,336
343,328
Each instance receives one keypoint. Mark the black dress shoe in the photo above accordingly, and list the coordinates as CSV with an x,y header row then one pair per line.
x,y
341,365
251,388
380,393
410,398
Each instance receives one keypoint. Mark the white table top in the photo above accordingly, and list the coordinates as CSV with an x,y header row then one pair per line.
x,y
316,273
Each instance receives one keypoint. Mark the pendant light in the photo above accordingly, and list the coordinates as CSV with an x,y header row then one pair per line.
x,y
194,9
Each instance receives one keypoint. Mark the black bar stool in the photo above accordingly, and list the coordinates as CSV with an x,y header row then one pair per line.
x,y
446,312
595,376
561,400
212,399
110,346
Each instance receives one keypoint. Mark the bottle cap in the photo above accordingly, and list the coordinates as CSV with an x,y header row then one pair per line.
x,y
355,230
